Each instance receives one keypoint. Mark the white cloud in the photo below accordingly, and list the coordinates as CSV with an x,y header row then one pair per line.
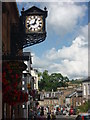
x,y
41,63
71,61
63,17
72,52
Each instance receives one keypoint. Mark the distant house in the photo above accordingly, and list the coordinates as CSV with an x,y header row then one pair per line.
x,y
86,89
75,98
66,91
50,98
79,97
70,99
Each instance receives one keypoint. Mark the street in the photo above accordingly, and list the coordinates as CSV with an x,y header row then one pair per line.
x,y
58,117
64,117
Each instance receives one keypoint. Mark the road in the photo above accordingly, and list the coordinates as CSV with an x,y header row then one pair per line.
x,y
64,117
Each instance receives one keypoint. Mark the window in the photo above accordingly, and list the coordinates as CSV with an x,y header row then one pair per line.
x,y
88,89
23,88
84,91
23,82
23,106
25,75
47,95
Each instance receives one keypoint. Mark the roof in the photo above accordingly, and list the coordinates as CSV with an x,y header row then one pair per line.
x,y
70,95
86,80
26,53
34,10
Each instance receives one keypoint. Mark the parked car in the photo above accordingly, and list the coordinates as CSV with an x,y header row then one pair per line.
x,y
83,116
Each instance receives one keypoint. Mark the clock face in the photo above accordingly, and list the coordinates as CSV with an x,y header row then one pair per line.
x,y
34,23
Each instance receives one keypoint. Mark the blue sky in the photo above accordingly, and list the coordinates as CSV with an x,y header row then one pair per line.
x,y
65,49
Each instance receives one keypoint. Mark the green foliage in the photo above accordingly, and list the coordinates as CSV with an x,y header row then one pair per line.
x,y
85,107
39,74
76,81
49,82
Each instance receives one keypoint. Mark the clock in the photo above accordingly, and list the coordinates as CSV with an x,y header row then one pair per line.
x,y
34,23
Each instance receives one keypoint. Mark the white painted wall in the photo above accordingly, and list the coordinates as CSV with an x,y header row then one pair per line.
x,y
86,89
35,75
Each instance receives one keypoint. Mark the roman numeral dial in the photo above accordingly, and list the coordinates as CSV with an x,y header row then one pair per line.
x,y
34,23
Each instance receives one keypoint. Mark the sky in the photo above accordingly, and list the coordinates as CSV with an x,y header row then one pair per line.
x,y
65,49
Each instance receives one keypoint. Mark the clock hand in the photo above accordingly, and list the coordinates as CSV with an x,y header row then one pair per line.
x,y
34,22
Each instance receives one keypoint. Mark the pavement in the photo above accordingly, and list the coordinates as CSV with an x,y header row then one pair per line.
x,y
41,118
64,117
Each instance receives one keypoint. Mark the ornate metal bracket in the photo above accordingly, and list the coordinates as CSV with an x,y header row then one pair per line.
x,y
20,40
34,39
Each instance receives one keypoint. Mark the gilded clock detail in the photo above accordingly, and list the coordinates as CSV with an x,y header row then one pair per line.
x,y
34,23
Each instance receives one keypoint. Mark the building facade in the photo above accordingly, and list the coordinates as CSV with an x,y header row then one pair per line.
x,y
49,99
86,89
11,52
74,99
26,82
34,74
10,16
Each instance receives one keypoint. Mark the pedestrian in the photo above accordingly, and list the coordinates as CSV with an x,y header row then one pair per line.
x,y
53,117
30,116
61,110
38,111
42,111
48,116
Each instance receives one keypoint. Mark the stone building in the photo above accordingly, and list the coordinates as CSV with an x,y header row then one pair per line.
x,y
10,16
65,92
74,98
50,99
13,34
11,48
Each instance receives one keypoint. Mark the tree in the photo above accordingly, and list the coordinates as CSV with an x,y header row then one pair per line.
x,y
39,74
66,79
44,80
49,82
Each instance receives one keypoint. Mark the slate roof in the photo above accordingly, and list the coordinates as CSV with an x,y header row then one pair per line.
x,y
86,80
70,95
